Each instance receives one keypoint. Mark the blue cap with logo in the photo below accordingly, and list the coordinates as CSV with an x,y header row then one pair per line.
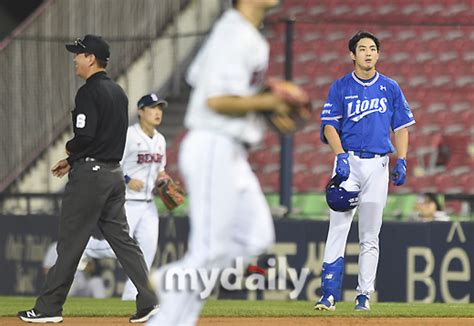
x,y
151,100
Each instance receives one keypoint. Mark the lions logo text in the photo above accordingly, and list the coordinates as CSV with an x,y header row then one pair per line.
x,y
359,109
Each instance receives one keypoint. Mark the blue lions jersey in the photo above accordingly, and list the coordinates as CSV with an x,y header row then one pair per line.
x,y
363,112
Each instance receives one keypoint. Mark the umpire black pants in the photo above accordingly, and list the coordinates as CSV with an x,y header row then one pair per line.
x,y
94,195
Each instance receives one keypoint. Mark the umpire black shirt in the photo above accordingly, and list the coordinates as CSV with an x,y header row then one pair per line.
x,y
100,121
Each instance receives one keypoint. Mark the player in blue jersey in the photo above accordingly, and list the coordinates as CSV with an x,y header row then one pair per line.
x,y
361,109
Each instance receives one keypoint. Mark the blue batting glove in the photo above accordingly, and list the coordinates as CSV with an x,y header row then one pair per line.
x,y
342,167
399,172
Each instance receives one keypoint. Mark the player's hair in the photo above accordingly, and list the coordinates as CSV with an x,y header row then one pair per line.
x,y
234,3
360,35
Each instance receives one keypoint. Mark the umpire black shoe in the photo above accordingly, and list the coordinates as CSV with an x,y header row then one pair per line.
x,y
34,316
143,315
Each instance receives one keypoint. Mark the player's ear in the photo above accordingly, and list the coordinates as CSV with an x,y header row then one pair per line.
x,y
140,112
91,59
352,55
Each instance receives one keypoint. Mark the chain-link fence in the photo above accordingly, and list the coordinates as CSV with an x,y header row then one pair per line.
x,y
37,80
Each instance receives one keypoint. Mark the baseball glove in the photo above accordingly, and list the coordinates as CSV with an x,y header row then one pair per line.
x,y
296,98
170,192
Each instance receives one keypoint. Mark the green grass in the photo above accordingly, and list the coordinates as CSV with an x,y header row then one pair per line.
x,y
9,306
241,308
344,309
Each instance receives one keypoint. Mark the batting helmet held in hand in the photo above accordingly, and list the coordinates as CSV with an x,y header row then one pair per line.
x,y
338,198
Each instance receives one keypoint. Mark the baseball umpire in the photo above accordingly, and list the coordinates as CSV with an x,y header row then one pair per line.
x,y
95,192
143,162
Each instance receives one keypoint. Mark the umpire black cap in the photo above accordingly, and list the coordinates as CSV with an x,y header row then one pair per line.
x,y
151,100
93,44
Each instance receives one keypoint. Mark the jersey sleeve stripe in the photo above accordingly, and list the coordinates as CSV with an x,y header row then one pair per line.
x,y
332,118
405,125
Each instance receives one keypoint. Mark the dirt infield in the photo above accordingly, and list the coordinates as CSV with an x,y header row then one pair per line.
x,y
273,321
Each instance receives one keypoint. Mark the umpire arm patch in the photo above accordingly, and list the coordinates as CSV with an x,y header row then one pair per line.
x,y
81,120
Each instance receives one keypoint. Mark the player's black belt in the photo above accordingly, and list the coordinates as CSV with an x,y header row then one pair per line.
x,y
364,154
141,200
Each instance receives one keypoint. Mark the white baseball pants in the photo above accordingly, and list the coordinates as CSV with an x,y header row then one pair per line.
x,y
370,176
229,218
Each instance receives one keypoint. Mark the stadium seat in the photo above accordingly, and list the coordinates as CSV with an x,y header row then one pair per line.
x,y
423,184
467,182
447,184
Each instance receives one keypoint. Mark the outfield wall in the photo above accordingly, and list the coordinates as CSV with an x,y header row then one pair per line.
x,y
419,262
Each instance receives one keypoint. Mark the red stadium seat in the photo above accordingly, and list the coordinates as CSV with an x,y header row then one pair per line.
x,y
447,184
467,182
422,184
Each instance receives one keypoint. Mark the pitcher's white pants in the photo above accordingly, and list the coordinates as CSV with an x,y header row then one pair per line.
x,y
371,177
229,218
142,218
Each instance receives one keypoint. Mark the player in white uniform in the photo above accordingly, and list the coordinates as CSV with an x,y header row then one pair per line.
x,y
229,215
360,111
143,162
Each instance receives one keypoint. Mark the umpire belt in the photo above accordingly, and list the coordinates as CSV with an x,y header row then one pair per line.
x,y
91,159
363,154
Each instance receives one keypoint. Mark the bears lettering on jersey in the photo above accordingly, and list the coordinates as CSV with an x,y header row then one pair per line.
x,y
360,109
149,158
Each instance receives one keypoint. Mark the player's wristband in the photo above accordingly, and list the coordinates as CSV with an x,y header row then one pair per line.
x,y
127,179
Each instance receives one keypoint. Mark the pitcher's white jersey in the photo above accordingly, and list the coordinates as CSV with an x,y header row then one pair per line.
x,y
223,67
143,159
